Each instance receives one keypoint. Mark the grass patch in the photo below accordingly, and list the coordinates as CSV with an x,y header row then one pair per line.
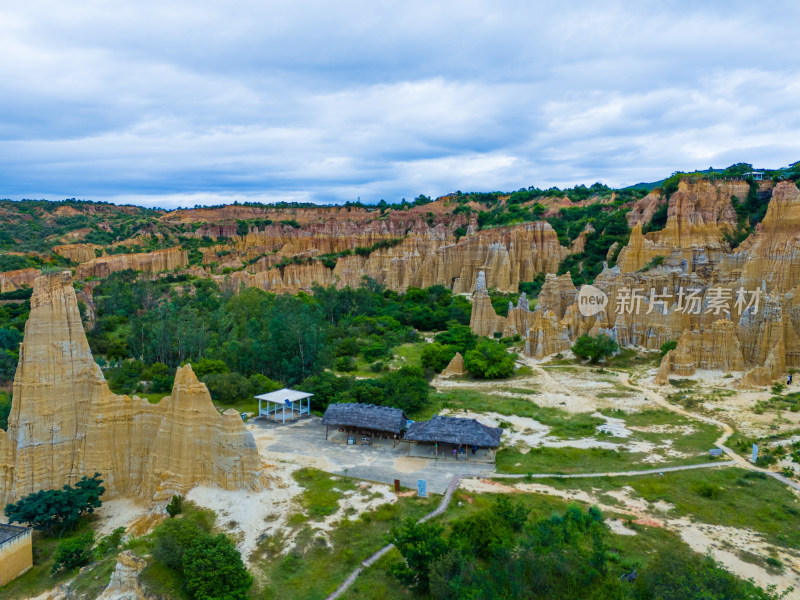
x,y
563,460
406,355
322,491
726,496
519,390
562,423
315,567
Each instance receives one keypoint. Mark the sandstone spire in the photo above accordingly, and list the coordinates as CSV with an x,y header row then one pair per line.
x,y
66,423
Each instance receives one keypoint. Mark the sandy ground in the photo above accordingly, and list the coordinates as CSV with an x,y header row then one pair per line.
x,y
724,544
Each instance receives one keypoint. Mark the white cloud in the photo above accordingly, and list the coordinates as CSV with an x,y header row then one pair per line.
x,y
192,102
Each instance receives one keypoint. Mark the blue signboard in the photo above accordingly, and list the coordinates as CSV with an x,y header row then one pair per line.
x,y
755,453
422,491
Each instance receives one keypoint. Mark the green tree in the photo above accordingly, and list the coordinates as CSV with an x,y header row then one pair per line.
x,y
437,356
74,552
214,570
51,510
175,506
667,346
228,388
490,360
420,544
205,366
594,348
173,538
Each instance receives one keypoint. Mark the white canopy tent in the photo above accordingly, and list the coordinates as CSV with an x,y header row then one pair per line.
x,y
276,405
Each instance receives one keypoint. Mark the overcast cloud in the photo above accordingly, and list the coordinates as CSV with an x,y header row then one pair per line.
x,y
173,103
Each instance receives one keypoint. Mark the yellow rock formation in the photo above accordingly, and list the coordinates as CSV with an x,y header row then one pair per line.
x,y
715,348
79,253
66,423
148,262
456,367
14,280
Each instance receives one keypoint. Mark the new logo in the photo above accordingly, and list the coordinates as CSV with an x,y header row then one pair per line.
x,y
591,301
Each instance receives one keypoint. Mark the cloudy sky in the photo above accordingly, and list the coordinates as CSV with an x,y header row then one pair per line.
x,y
167,103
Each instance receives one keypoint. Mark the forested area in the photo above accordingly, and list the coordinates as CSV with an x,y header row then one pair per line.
x,y
503,551
253,342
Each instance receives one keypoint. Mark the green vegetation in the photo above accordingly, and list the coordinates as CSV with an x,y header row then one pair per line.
x,y
318,564
594,348
72,553
58,510
490,360
505,550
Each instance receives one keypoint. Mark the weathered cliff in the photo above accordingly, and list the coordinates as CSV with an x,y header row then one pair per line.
x,y
14,280
715,348
66,423
79,253
148,262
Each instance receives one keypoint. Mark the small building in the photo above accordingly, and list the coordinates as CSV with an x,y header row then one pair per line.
x,y
16,552
277,406
459,434
756,175
366,420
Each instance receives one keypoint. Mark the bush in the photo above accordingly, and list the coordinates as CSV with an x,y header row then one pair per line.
x,y
490,360
206,366
173,538
175,506
214,570
110,543
228,388
437,356
73,552
667,346
594,348
346,364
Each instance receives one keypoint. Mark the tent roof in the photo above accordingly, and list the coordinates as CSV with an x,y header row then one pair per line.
x,y
283,395
368,416
452,430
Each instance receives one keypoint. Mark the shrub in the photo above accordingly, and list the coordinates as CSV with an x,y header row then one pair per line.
x,y
594,348
490,360
73,552
346,364
437,356
175,505
214,570
667,346
228,388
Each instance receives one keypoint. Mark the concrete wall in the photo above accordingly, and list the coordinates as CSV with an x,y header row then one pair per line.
x,y
16,557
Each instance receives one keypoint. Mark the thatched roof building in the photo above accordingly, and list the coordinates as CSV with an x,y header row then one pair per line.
x,y
365,416
452,430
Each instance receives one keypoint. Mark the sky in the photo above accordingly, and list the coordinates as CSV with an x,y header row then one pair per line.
x,y
176,103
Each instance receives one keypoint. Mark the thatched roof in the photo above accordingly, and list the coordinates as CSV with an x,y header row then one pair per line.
x,y
366,416
452,430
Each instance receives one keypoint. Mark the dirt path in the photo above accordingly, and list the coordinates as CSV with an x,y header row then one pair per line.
x,y
386,549
727,430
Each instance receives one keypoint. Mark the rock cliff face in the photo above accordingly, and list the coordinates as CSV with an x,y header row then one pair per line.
x,y
427,256
699,215
148,262
732,311
79,253
484,320
66,423
124,583
716,348
14,280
